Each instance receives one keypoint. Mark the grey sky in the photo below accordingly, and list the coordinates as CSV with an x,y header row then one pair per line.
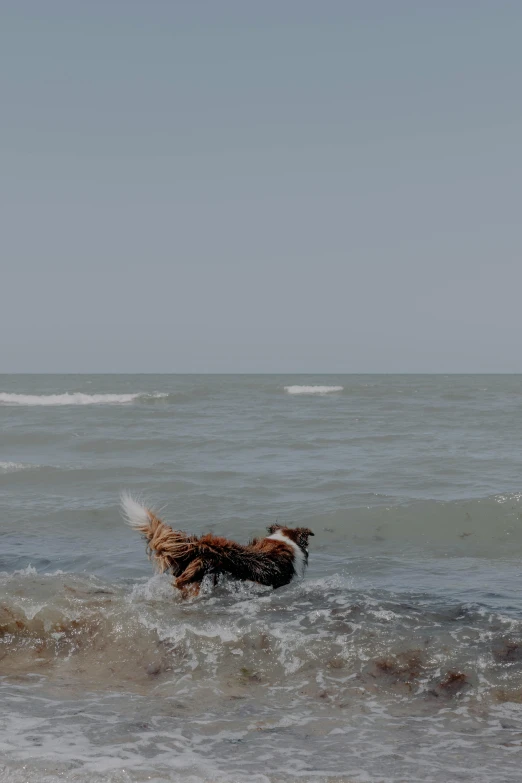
x,y
283,186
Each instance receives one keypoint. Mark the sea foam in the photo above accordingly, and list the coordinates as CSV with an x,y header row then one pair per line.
x,y
312,389
12,467
75,398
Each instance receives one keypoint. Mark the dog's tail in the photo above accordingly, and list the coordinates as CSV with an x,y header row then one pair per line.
x,y
164,545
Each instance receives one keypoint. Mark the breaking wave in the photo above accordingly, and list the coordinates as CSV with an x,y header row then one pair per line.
x,y
75,398
13,467
249,670
239,636
312,389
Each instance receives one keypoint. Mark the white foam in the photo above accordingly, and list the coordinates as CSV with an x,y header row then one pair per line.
x,y
75,398
312,389
12,467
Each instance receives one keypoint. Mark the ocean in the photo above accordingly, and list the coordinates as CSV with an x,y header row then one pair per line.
x,y
398,656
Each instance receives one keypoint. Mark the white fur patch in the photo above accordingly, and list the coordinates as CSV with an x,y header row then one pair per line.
x,y
299,558
135,514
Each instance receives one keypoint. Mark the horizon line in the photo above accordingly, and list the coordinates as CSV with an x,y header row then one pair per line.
x,y
290,373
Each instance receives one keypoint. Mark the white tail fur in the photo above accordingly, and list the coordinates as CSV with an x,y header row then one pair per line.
x,y
135,514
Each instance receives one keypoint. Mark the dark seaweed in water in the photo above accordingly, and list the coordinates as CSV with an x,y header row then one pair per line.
x,y
453,684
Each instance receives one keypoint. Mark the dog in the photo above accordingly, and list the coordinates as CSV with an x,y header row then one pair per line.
x,y
273,560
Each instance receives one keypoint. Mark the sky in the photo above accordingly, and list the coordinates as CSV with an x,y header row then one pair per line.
x,y
279,186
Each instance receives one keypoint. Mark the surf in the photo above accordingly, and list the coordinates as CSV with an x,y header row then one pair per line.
x,y
75,398
313,389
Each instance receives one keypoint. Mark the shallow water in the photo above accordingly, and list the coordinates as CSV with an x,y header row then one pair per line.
x,y
397,658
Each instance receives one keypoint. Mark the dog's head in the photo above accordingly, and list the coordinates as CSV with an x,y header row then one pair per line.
x,y
299,535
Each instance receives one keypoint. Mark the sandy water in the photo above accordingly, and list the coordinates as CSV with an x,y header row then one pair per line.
x,y
397,658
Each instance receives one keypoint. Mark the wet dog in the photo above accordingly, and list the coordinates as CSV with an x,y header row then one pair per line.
x,y
273,560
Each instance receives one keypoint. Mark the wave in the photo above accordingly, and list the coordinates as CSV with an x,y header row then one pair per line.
x,y
103,682
13,467
312,389
239,637
76,398
485,527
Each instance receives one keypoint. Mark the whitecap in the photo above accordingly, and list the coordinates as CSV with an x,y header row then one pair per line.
x,y
12,467
312,389
75,398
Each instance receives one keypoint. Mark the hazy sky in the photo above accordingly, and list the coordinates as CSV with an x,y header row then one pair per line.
x,y
261,185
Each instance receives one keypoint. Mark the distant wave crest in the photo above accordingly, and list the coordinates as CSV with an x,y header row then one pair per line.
x,y
12,467
312,389
75,398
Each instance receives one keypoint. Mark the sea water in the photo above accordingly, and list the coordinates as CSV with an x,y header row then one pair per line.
x,y
398,656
